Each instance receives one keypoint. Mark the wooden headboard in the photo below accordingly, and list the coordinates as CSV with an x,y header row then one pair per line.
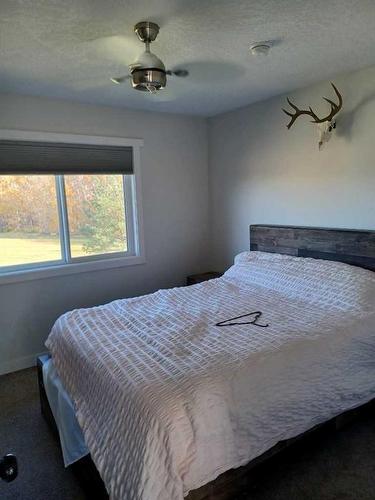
x,y
352,246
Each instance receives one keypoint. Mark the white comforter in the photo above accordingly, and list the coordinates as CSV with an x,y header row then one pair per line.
x,y
167,400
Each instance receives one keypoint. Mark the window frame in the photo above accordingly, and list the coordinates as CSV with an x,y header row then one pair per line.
x,y
133,216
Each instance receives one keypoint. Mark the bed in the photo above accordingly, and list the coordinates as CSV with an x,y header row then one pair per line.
x,y
170,392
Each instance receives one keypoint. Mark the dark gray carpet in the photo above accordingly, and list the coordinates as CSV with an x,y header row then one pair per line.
x,y
23,431
330,466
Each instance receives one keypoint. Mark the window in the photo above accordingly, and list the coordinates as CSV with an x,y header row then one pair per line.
x,y
29,220
47,219
96,214
72,215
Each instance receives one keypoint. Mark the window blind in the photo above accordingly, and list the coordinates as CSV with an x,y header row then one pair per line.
x,y
25,157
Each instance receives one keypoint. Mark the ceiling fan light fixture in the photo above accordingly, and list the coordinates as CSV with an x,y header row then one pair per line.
x,y
147,60
145,79
148,72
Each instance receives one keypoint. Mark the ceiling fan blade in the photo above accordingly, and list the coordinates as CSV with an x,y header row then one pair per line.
x,y
181,73
204,72
117,48
120,79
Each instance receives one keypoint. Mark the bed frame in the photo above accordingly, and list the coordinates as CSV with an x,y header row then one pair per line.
x,y
355,247
352,246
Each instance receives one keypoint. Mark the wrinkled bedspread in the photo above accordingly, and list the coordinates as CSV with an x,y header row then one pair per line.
x,y
167,400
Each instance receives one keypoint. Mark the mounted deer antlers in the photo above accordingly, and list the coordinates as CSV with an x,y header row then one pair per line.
x,y
335,108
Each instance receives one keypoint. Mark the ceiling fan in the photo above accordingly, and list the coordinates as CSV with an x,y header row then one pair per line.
x,y
148,72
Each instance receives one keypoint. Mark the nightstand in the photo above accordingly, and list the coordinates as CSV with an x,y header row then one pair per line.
x,y
193,279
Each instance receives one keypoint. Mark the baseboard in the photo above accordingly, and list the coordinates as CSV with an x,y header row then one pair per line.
x,y
19,363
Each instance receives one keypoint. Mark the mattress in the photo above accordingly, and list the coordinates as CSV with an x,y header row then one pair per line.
x,y
72,442
167,400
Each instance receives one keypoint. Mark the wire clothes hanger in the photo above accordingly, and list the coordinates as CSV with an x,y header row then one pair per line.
x,y
233,322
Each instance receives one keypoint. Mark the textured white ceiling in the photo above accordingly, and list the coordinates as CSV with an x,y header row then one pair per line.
x,y
70,48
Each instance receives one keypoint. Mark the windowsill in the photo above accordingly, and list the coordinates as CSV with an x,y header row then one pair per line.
x,y
67,269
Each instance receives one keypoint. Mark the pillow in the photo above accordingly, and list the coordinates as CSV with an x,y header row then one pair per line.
x,y
322,282
263,256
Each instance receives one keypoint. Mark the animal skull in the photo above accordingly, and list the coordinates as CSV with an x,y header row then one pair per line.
x,y
325,130
326,125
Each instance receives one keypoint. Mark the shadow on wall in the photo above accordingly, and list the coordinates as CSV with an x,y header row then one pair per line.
x,y
346,119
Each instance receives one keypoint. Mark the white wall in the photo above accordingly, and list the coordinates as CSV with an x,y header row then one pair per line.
x,y
175,208
261,172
